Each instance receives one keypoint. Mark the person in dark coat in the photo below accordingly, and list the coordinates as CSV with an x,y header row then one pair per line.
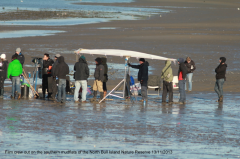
x,y
99,78
53,86
104,63
182,74
142,76
190,68
220,78
61,71
81,76
3,73
46,72
20,56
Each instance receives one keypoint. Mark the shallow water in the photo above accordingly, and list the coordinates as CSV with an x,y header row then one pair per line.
x,y
27,33
117,13
202,128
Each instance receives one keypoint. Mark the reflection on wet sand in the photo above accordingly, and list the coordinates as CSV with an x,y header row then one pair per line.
x,y
190,130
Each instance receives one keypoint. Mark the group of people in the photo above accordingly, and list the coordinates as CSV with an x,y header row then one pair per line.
x,y
185,74
12,71
54,75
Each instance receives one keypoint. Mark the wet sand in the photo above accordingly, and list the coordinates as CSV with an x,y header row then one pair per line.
x,y
202,30
203,128
200,129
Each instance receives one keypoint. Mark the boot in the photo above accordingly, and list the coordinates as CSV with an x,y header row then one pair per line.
x,y
101,97
220,99
104,93
1,92
94,96
19,96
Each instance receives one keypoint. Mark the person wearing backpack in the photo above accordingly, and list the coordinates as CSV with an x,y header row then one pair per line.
x,y
167,77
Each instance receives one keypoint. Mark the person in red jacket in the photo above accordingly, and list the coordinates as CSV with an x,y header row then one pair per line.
x,y
182,73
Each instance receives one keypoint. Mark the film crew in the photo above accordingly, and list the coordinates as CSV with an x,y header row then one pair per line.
x,y
46,72
13,73
60,72
104,63
54,81
142,76
81,75
98,82
167,77
220,78
3,73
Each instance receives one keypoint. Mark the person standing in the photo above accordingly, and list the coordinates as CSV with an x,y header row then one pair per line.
x,y
104,63
61,72
142,76
20,56
220,78
46,72
81,76
13,73
190,68
54,81
3,73
167,77
98,82
182,72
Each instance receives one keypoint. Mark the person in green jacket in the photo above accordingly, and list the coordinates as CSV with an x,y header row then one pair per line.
x,y
167,77
13,73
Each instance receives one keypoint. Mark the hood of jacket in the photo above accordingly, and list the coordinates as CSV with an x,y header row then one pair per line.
x,y
167,65
60,59
104,60
99,61
145,63
82,60
181,60
223,59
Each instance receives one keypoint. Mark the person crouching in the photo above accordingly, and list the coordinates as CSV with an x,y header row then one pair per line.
x,y
98,82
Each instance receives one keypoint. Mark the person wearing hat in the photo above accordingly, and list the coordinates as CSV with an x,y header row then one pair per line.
x,y
220,78
13,73
21,59
99,78
3,73
182,74
19,55
142,76
46,72
81,76
53,86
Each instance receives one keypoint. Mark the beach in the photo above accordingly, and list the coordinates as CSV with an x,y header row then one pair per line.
x,y
204,30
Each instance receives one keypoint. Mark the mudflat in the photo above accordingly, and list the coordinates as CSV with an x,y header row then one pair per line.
x,y
202,30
